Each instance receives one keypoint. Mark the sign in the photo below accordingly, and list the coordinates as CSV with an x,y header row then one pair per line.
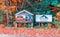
x,y
43,18
24,17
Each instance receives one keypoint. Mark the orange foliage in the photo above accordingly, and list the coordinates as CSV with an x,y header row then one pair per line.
x,y
12,9
19,1
54,9
14,1
1,2
3,7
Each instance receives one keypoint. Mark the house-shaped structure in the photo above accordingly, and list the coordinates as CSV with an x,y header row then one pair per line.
x,y
24,17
